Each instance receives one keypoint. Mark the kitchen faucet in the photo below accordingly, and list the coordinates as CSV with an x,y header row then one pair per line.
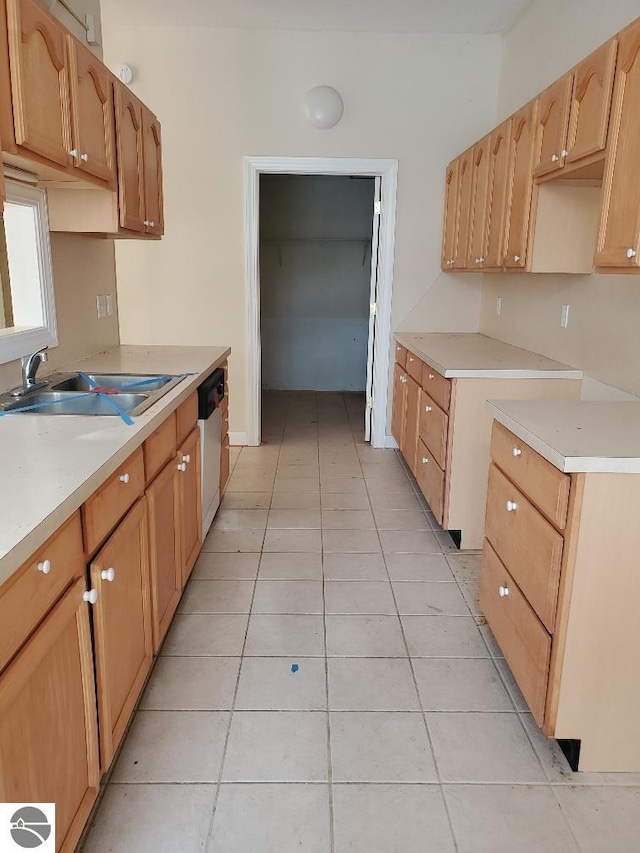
x,y
30,365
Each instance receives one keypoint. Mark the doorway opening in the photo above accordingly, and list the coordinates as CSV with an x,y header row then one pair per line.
x,y
320,241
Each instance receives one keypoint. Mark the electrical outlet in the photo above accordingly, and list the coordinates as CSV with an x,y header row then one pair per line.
x,y
109,304
564,317
499,305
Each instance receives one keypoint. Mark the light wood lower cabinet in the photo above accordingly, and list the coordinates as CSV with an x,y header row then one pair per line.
x,y
409,446
189,505
122,625
577,671
48,730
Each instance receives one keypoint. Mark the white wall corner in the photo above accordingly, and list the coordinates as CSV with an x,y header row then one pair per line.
x,y
238,439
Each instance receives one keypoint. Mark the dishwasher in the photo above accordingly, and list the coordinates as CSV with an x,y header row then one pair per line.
x,y
210,395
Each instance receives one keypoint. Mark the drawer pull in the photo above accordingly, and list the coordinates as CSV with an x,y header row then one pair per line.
x,y
503,591
91,596
631,253
424,460
428,409
44,567
108,575
186,457
516,451
124,478
512,506
182,466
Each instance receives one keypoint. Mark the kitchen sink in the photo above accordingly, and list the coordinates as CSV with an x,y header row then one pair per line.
x,y
71,394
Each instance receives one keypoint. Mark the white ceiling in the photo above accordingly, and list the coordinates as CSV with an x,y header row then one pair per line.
x,y
405,16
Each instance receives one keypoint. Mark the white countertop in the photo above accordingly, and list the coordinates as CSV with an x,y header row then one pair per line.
x,y
472,355
575,436
52,463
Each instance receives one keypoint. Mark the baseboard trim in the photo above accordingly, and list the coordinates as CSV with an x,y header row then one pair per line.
x,y
238,439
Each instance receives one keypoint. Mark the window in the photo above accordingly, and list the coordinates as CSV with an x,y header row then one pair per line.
x,y
27,308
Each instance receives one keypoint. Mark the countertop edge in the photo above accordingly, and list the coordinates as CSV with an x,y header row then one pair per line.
x,y
17,556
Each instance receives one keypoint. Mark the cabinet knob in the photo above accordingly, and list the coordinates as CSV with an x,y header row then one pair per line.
x,y
146,223
410,358
424,460
186,457
479,260
73,152
631,253
124,478
565,153
428,409
84,157
431,376
503,591
152,224
108,575
182,466
512,506
91,596
554,158
516,451
398,348
516,258
44,567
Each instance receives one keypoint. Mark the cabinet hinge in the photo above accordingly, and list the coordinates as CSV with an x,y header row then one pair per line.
x,y
377,208
373,308
369,402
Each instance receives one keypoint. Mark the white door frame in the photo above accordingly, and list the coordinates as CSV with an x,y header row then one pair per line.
x,y
387,170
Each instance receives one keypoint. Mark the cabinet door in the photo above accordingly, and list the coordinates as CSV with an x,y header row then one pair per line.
x,y
553,125
399,398
464,211
450,213
497,194
523,154
39,81
591,102
479,204
190,501
164,549
224,464
91,113
619,237
48,724
153,203
122,625
129,148
409,446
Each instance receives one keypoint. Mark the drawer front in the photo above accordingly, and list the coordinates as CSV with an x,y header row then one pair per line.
x,y
541,482
414,367
434,425
26,598
518,631
437,387
430,478
526,543
401,356
106,507
187,416
160,447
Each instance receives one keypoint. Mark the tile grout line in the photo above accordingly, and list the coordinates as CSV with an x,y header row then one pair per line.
x,y
223,757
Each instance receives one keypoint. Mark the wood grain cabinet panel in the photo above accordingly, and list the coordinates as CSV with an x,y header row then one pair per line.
x,y
430,478
463,216
189,502
39,81
48,721
187,417
553,125
433,428
497,195
102,511
591,103
224,464
619,235
130,158
153,197
518,631
479,204
401,355
527,544
414,367
160,447
409,446
450,216
523,154
437,387
91,113
122,626
399,400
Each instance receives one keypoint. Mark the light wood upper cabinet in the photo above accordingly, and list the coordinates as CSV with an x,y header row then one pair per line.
x,y
553,123
130,148
122,625
450,214
591,102
619,236
465,177
39,81
153,201
189,502
479,204
48,723
497,195
91,113
523,153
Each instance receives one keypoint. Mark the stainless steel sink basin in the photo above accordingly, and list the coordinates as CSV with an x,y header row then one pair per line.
x,y
74,403
70,394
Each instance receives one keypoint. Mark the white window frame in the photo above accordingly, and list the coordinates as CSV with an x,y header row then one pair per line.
x,y
19,341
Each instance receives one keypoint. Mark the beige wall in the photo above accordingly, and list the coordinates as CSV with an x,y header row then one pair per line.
x,y
602,337
224,94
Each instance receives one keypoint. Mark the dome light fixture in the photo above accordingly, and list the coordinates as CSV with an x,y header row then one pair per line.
x,y
323,107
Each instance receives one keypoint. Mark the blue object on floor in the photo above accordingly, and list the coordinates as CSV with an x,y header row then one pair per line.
x,y
294,668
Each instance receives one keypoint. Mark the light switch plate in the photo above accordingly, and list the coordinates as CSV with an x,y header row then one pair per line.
x,y
499,305
564,316
109,304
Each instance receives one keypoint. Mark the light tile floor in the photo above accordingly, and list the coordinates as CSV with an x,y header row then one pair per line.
x,y
329,684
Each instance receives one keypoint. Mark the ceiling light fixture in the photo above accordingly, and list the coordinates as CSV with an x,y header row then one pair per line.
x,y
323,107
